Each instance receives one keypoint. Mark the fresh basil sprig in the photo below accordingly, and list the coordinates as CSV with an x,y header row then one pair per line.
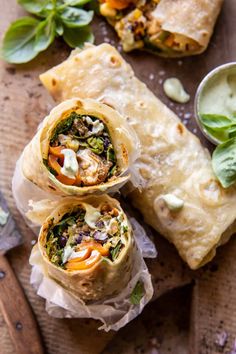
x,y
218,126
224,162
28,36
223,129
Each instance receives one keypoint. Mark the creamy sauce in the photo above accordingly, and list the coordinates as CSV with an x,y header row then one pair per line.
x,y
91,216
174,89
172,202
71,166
218,96
3,217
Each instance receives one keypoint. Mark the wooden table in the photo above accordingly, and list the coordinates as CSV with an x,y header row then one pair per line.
x,y
24,103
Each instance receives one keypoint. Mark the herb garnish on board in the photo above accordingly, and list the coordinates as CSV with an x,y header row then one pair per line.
x,y
222,129
28,36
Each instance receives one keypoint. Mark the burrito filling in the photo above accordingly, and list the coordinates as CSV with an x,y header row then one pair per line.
x,y
85,236
137,27
81,152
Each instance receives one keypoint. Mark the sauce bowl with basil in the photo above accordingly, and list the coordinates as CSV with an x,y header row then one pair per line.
x,y
215,111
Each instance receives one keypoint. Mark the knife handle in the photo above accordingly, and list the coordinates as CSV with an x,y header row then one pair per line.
x,y
17,312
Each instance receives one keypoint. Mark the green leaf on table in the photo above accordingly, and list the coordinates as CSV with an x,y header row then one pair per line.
x,y
37,7
45,34
18,42
76,37
73,17
137,293
224,162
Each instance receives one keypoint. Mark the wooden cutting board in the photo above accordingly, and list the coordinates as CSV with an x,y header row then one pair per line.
x,y
24,103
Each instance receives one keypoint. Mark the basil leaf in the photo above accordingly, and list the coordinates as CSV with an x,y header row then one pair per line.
x,y
76,37
74,17
18,42
76,2
59,27
45,34
215,121
220,136
232,132
137,293
37,7
224,162
218,126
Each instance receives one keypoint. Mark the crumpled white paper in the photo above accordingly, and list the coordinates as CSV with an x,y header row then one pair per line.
x,y
114,312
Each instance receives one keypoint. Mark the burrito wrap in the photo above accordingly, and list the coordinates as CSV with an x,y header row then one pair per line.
x,y
36,152
106,277
172,160
194,19
169,28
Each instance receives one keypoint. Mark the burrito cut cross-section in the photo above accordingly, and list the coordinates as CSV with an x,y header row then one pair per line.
x,y
82,147
87,246
169,28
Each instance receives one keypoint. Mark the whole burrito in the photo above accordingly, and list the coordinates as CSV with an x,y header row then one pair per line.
x,y
82,147
88,247
170,28
180,196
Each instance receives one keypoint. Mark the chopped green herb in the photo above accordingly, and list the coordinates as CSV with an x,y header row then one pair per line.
x,y
96,145
137,293
62,127
125,229
115,251
111,154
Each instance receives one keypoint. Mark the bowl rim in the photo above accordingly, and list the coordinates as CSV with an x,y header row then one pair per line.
x,y
199,90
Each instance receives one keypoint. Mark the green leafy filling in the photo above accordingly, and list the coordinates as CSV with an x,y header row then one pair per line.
x,y
99,143
64,234
222,129
137,293
115,251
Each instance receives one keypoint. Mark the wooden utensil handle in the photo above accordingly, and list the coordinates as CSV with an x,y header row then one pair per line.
x,y
17,312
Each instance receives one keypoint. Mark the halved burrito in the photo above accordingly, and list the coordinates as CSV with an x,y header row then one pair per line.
x,y
82,147
171,28
88,247
180,195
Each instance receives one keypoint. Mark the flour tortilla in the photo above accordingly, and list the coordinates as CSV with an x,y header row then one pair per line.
x,y
194,19
172,159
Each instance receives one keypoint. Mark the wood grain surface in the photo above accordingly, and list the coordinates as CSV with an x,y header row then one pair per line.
x,y
24,103
17,314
